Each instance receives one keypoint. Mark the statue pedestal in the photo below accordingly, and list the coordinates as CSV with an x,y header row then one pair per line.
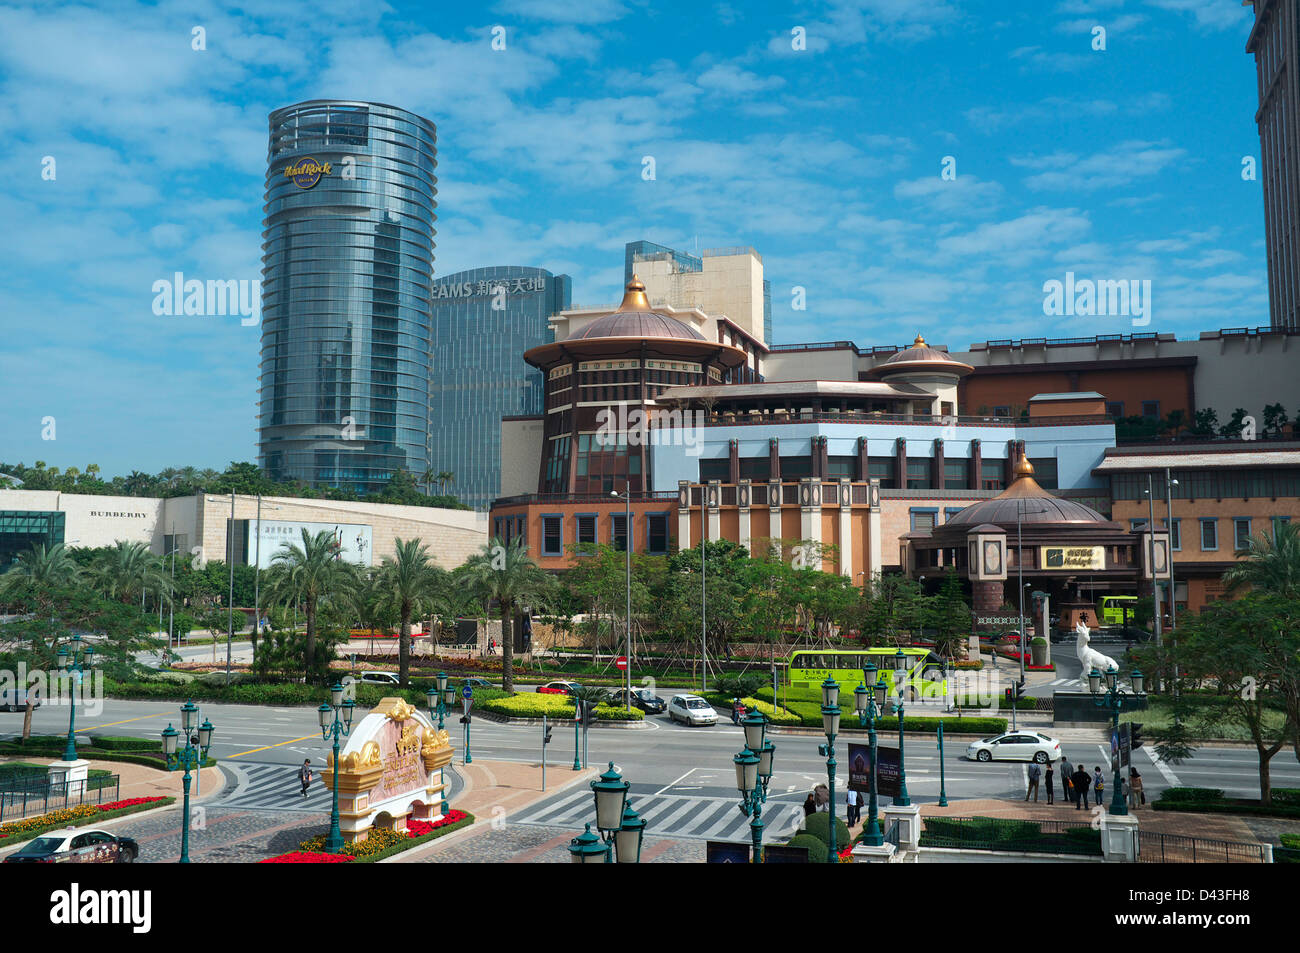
x,y
884,854
909,825
1119,838
70,775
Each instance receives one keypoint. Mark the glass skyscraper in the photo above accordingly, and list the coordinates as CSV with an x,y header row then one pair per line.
x,y
347,270
484,320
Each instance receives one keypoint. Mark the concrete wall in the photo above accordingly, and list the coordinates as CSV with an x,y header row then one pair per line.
x,y
521,455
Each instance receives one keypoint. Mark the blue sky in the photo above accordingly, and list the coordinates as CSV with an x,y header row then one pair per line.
x,y
1121,164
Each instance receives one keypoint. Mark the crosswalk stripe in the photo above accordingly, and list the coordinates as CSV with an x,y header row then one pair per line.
x,y
708,818
556,807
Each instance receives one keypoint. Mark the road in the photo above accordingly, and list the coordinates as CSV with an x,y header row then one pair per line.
x,y
682,778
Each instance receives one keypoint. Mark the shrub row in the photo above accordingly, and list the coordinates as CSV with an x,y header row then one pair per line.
x,y
74,817
991,833
533,705
1285,803
775,715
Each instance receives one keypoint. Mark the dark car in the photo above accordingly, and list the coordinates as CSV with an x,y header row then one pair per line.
x,y
77,847
642,698
478,683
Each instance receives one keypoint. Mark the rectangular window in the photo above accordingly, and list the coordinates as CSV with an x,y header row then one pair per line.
x,y
992,475
1175,534
841,467
552,535
918,474
1279,521
1135,525
521,531
794,468
714,470
950,511
618,531
1045,472
1115,409
923,519
1002,410
954,474
1241,532
882,469
757,469
1151,409
1209,535
657,533
587,528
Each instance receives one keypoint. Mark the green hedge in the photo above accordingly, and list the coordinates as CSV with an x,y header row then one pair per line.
x,y
775,715
1199,795
125,743
818,824
94,754
815,846
996,833
1213,801
258,693
560,707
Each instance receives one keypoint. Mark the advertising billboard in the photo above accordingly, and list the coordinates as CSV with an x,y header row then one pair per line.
x,y
353,540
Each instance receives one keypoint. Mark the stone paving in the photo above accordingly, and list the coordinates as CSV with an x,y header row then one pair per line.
x,y
529,844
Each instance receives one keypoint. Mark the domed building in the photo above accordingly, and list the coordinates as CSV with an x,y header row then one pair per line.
x,y
928,369
1057,546
601,385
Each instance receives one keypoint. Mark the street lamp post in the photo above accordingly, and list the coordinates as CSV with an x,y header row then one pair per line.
x,y
900,670
870,703
627,549
440,699
198,739
943,792
74,663
335,721
621,828
467,702
831,726
1151,542
1112,699
753,772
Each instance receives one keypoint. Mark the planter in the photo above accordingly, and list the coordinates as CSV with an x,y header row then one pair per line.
x,y
1038,652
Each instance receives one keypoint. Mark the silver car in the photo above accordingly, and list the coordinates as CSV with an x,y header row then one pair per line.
x,y
692,710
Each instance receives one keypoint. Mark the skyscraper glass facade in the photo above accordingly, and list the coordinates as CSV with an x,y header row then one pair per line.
x,y
484,320
347,270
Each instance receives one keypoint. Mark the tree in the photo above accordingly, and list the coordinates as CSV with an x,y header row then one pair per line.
x,y
894,603
1205,423
412,581
1174,423
48,565
506,575
1234,427
1247,651
125,571
311,574
1275,420
950,616
1269,564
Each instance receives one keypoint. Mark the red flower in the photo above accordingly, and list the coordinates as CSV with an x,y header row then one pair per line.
x,y
307,857
128,802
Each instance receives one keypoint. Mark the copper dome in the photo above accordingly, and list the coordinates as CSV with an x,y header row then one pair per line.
x,y
634,319
1026,499
920,356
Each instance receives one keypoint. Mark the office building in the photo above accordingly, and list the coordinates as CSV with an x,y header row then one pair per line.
x,y
347,269
484,320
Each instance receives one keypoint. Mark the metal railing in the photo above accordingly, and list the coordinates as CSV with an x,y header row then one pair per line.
x,y
1157,848
997,833
28,796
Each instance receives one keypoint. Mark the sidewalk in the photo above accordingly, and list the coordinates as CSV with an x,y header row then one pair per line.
x,y
494,790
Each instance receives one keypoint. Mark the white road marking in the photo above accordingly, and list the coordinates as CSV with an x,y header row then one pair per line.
x,y
1162,768
669,786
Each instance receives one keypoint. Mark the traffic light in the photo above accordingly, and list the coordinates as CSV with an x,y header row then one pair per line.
x,y
588,713
1135,736
1010,697
1020,690
546,738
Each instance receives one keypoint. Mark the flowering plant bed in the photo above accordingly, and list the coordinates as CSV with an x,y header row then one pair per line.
x,y
29,827
380,843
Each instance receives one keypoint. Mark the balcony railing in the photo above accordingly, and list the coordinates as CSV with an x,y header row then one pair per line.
x,y
859,417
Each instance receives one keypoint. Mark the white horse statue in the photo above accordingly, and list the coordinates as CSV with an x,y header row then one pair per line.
x,y
1090,658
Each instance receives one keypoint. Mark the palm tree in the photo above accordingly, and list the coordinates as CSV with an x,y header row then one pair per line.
x,y
44,564
126,570
1269,565
310,574
507,576
413,582
445,478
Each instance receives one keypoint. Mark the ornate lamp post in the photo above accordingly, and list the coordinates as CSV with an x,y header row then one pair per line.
x,y
74,663
198,739
621,828
1113,699
440,699
336,721
753,772
831,725
900,671
870,705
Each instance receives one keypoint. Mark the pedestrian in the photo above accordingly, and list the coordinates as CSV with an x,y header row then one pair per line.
x,y
304,775
809,805
1079,780
492,646
854,802
1035,772
1136,795
1048,779
1067,789
1098,784
737,710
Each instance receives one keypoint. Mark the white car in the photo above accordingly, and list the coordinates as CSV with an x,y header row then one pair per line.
x,y
378,678
1015,746
15,699
691,710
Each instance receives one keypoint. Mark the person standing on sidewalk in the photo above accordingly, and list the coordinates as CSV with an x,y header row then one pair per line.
x,y
1080,780
1098,784
304,775
1048,780
854,802
1135,795
1035,772
1067,789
